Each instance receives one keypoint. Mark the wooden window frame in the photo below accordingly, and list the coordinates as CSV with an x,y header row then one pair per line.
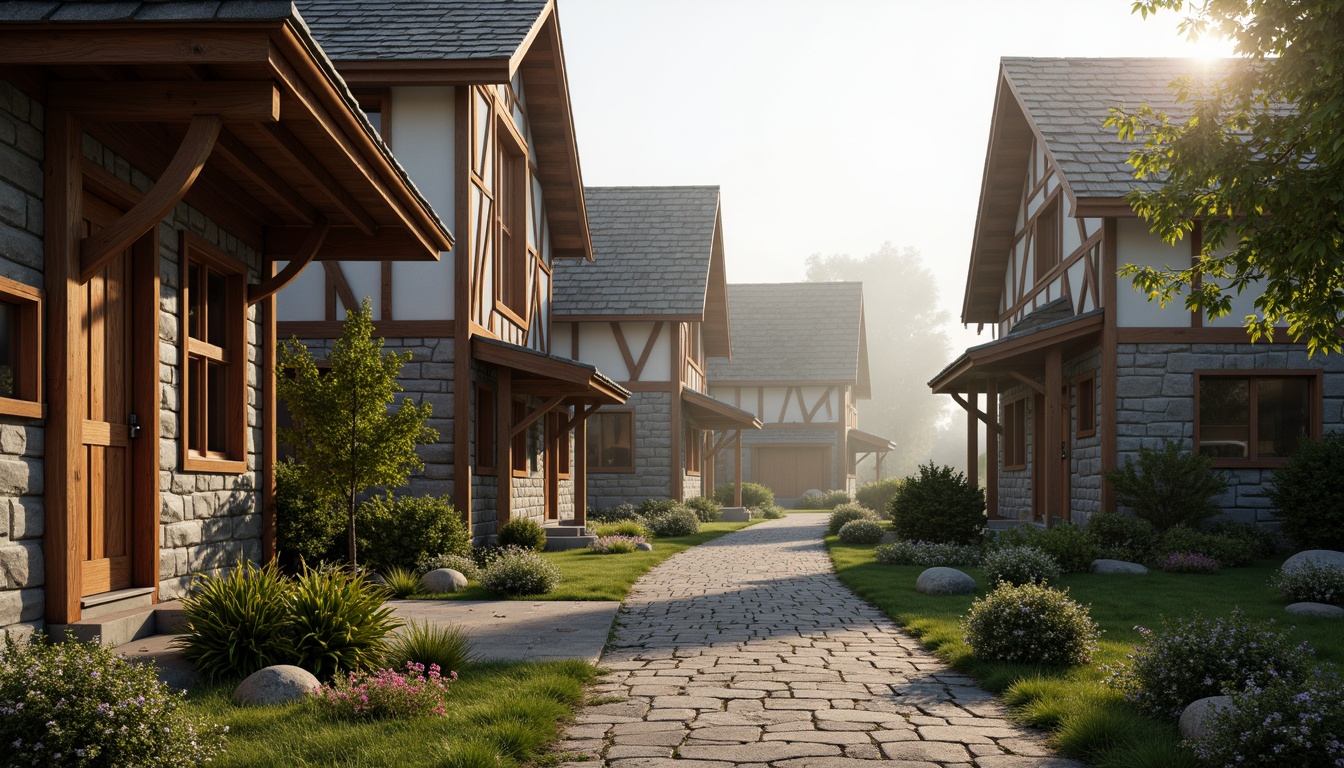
x,y
512,178
1090,380
596,467
694,443
233,460
484,439
27,347
1014,433
1048,222
1315,395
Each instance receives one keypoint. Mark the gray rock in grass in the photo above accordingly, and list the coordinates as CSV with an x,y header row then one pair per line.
x,y
1117,567
1195,718
1318,610
644,546
944,581
1316,557
444,580
280,684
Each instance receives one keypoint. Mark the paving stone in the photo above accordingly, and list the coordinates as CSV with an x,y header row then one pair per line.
x,y
650,739
767,753
848,762
820,737
939,751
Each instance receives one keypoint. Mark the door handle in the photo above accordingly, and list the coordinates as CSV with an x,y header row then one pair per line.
x,y
133,429
1063,450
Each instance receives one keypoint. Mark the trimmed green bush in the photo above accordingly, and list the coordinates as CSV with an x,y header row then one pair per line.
x,y
237,622
929,554
1308,496
1228,551
1030,624
678,522
939,505
1168,487
514,571
771,512
306,526
338,621
617,514
846,513
706,510
1262,541
810,501
863,531
1020,565
877,495
522,532
403,530
1311,583
753,495
1125,537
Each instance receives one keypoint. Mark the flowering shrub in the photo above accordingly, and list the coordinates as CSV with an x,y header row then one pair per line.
x,y
1020,565
616,545
1070,546
928,553
1311,583
76,704
706,509
516,571
861,532
678,522
844,514
387,693
1030,624
1280,724
1197,657
463,564
1189,562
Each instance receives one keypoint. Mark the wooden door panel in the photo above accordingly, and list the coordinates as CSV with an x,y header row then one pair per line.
x,y
791,471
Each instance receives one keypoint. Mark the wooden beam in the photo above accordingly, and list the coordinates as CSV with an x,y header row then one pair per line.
x,y
98,249
532,417
26,45
580,473
346,243
503,446
246,162
336,280
166,101
289,145
991,450
273,284
1035,385
1054,433
145,394
975,410
972,438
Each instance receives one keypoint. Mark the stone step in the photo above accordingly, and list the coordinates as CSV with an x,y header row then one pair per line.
x,y
560,531
169,618
117,601
110,629
560,543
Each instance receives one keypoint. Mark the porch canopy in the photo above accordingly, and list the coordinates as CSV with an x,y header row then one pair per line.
x,y
865,443
729,421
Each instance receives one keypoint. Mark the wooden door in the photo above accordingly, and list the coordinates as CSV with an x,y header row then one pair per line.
x,y
105,325
1039,455
790,471
1063,503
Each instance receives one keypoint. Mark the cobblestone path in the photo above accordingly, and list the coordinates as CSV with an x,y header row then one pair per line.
x,y
748,651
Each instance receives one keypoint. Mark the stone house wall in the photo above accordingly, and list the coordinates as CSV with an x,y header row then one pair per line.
x,y
1084,452
1015,484
653,452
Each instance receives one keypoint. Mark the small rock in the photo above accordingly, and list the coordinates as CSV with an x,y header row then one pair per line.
x,y
1195,718
280,684
944,581
373,577
1315,557
1319,610
1117,566
444,580
644,546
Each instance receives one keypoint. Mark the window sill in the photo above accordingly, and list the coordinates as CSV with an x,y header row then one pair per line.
x,y
1089,433
1013,468
1249,463
28,409
192,463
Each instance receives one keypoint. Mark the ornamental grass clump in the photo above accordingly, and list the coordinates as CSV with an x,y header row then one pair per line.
x,y
1278,725
627,528
616,545
402,582
238,622
515,571
445,645
1020,565
846,513
861,532
1198,657
78,704
1189,562
338,621
1311,583
929,554
1030,624
386,693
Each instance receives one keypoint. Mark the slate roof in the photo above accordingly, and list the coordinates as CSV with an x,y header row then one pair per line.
x,y
793,332
130,10
651,253
421,30
1070,99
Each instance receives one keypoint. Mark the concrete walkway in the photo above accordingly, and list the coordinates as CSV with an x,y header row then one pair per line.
x,y
748,651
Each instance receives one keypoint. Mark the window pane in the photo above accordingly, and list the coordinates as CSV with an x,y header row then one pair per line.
x,y
1283,411
217,309
216,408
195,401
609,443
194,303
1224,417
7,361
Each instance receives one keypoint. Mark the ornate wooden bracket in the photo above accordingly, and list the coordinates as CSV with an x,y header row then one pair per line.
x,y
1030,382
537,414
581,413
303,258
976,412
726,440
96,250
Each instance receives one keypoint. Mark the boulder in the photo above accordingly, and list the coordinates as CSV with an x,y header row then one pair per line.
x,y
280,684
1117,566
644,546
1195,718
1315,557
944,581
1318,610
735,515
444,580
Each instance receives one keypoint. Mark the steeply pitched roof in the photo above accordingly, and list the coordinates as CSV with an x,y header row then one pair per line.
x,y
651,253
130,10
428,30
795,332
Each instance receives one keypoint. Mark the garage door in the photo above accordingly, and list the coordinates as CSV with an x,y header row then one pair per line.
x,y
791,471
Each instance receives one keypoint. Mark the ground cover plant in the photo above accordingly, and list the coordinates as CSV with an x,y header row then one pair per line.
x,y
617,544
1311,583
1279,724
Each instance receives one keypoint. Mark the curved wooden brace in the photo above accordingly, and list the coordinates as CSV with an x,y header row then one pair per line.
x,y
311,245
96,250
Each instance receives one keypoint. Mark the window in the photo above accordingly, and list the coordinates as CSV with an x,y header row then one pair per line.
x,y
611,446
1255,417
519,440
511,206
485,430
1085,393
20,349
1047,239
214,357
1015,434
694,450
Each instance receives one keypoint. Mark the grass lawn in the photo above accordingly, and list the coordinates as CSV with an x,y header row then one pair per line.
x,y
587,575
1090,720
511,710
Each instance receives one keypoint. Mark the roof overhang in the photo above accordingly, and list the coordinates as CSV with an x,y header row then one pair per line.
x,y
535,373
999,359
709,413
294,150
716,330
863,387
867,442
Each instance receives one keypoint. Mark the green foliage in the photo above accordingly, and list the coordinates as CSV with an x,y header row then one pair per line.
x,y
1280,725
1262,541
402,582
827,500
77,704
347,435
401,531
447,645
1308,496
523,532
678,521
617,514
938,505
929,554
615,545
1030,624
306,525
706,509
1168,487
237,622
771,512
1311,583
463,564
863,531
846,513
753,495
1020,565
338,622
877,495
1069,545
627,528
516,571
1230,552
1123,537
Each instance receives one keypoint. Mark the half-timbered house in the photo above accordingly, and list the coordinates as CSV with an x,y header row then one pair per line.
x,y
158,161
473,97
648,310
1083,370
800,366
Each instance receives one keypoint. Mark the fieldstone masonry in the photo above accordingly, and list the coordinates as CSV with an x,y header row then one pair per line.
x,y
653,446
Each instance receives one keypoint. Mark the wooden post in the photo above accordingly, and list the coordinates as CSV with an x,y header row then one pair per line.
x,y
580,473
504,448
268,447
145,530
737,492
707,481
1051,438
1108,415
877,469
992,449
972,437
675,472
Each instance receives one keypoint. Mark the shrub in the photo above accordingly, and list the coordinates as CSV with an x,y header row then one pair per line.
x,y
387,693
861,532
306,526
445,645
1307,495
846,513
1030,624
678,522
938,505
1123,537
1279,724
928,554
616,545
401,582
1262,541
753,494
769,513
1070,546
617,514
523,532
811,501
628,528
706,510
1189,562
515,571
878,494
833,499
1311,583
338,622
1020,565
1198,657
463,564
1168,487
1228,551
403,530
237,622
77,704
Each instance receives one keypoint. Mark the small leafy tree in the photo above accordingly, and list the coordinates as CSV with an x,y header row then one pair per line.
x,y
347,436
1168,487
